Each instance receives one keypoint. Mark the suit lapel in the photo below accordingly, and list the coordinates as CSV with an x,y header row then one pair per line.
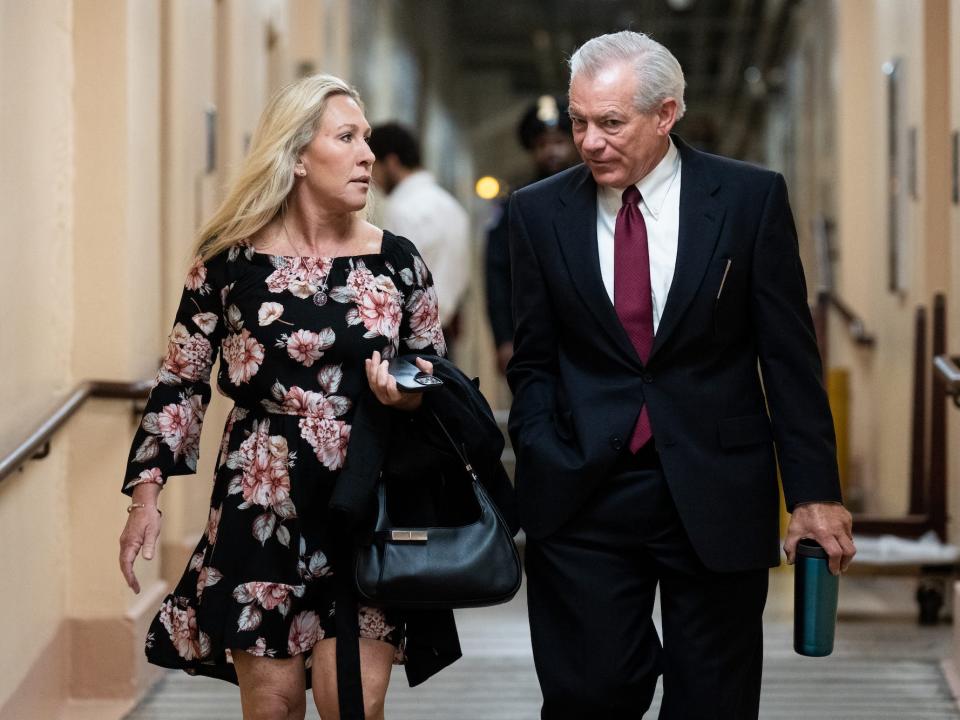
x,y
701,217
576,228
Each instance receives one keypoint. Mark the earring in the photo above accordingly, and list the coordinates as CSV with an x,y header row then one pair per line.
x,y
300,172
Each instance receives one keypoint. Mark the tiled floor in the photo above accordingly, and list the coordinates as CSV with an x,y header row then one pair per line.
x,y
880,669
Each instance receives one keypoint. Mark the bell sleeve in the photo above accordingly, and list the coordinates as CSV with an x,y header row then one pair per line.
x,y
167,441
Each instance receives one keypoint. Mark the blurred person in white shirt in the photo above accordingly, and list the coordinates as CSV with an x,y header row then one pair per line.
x,y
417,208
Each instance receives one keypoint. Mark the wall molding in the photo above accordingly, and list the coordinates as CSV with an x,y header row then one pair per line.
x,y
90,662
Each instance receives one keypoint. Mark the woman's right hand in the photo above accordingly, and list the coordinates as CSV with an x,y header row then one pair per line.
x,y
384,385
141,532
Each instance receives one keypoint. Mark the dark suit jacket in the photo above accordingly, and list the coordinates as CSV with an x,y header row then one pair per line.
x,y
578,383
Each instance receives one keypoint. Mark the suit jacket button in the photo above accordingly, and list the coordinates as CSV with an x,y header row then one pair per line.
x,y
615,442
647,378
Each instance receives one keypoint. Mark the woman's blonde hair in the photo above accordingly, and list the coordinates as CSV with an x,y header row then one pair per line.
x,y
287,125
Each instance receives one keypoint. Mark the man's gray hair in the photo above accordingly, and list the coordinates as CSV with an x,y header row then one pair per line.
x,y
658,73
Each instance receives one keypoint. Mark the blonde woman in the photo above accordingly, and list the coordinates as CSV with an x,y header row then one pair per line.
x,y
304,300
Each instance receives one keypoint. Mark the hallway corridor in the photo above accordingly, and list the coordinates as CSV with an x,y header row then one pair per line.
x,y
129,126
495,680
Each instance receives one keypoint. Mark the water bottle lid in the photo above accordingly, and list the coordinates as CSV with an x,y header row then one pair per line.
x,y
810,548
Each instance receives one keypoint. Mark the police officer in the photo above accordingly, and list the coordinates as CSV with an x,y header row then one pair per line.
x,y
544,132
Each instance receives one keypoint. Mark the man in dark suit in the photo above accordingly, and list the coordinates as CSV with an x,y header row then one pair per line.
x,y
664,349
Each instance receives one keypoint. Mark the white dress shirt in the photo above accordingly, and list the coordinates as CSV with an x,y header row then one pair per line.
x,y
429,216
660,207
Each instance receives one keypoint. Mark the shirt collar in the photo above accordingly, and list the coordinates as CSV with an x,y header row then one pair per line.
x,y
654,186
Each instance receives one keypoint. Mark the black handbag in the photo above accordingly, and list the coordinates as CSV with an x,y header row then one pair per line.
x,y
471,565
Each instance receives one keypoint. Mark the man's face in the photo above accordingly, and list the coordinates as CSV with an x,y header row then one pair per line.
x,y
553,150
618,143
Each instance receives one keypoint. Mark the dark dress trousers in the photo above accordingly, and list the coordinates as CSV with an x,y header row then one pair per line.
x,y
733,375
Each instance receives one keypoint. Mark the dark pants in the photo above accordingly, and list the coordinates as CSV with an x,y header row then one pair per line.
x,y
591,590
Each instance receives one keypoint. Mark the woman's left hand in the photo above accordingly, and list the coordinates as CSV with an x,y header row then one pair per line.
x,y
384,385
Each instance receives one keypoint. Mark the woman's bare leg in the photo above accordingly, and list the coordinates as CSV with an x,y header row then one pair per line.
x,y
271,688
376,663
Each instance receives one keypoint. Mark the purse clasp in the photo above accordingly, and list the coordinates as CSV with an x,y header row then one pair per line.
x,y
408,536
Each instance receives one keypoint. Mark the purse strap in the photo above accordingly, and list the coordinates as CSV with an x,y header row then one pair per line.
x,y
462,454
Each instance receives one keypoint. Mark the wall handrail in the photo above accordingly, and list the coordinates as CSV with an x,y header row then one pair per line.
x,y
36,444
855,324
949,370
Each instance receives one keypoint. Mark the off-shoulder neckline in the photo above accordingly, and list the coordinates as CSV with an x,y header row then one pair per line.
x,y
387,236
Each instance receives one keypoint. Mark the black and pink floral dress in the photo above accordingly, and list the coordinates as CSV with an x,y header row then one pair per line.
x,y
292,335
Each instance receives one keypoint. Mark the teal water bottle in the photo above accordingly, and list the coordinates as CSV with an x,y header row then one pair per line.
x,y
815,592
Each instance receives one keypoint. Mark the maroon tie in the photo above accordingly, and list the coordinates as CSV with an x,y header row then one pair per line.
x,y
632,297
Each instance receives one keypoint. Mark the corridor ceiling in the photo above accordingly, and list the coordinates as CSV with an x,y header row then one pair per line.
x,y
730,49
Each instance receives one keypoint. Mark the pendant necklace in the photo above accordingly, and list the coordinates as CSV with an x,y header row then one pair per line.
x,y
319,297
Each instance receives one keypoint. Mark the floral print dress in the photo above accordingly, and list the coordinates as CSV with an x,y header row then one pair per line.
x,y
292,335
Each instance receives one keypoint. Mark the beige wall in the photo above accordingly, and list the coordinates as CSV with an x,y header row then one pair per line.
x,y
189,63
252,71
116,246
935,151
953,306
860,170
870,32
103,147
36,254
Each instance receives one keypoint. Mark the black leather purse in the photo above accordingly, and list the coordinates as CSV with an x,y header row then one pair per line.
x,y
471,565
